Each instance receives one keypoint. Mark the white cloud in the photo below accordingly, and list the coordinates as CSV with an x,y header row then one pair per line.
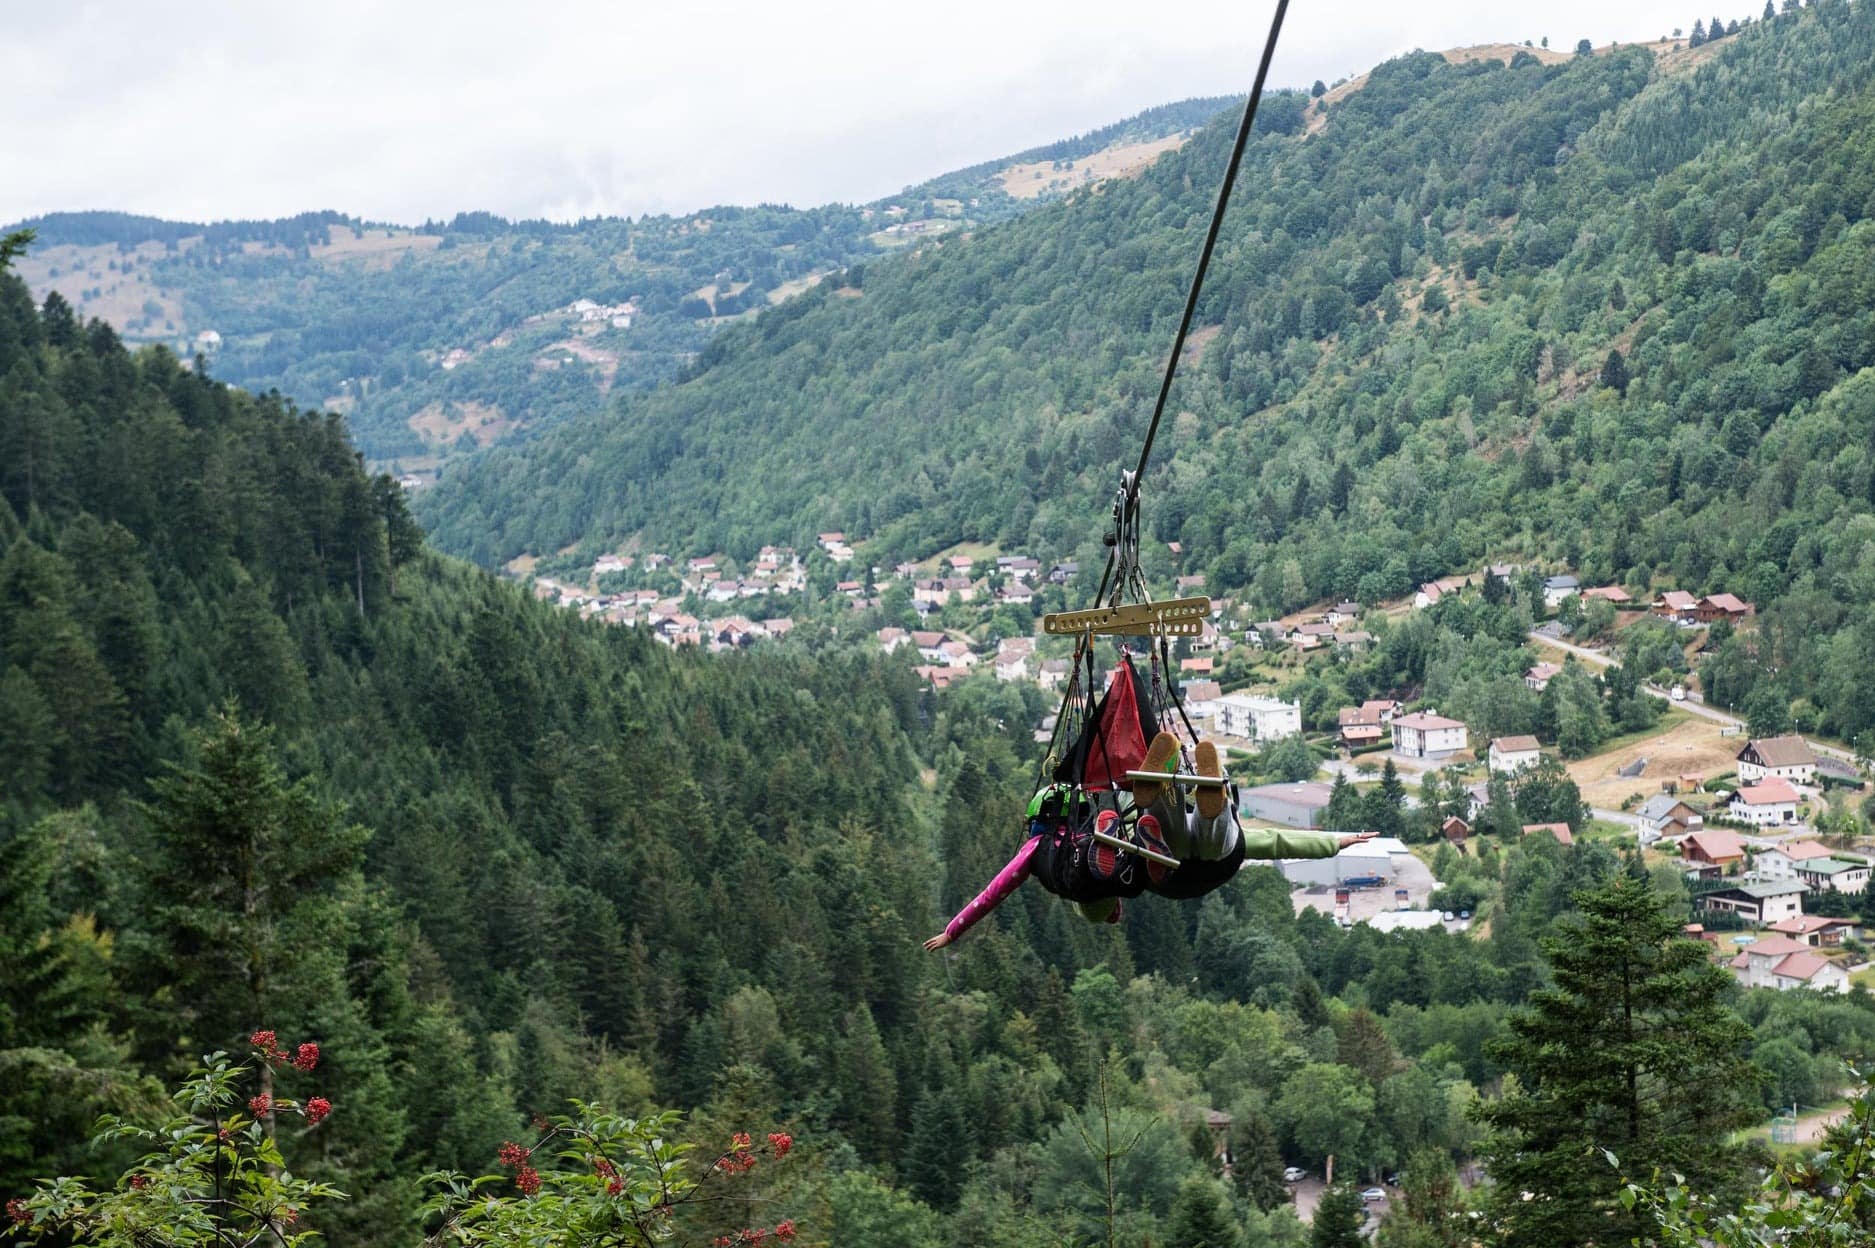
x,y
400,111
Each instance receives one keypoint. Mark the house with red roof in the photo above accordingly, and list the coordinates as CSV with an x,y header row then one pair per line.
x,y
1715,607
1768,802
1816,930
1714,847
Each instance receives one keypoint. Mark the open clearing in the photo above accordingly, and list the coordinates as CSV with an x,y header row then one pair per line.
x,y
1692,746
125,296
382,248
441,424
1123,160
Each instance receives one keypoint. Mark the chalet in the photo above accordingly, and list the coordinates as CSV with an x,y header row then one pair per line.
x,y
1714,847
1760,901
1787,758
1357,726
1259,719
1558,830
961,564
929,644
1427,596
1019,566
1064,572
1715,607
1666,815
1538,677
1512,754
1782,963
1425,735
831,539
1455,829
1834,875
891,639
1780,862
1557,588
1381,709
1308,636
1816,930
1343,613
1676,605
1017,593
1353,640
941,677
1611,594
957,654
1770,802
1266,633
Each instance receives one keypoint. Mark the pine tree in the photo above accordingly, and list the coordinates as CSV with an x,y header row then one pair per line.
x,y
1698,36
1256,1159
1615,372
1339,1217
1633,1050
1201,1217
937,1147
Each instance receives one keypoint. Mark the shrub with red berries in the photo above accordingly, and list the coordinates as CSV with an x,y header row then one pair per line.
x,y
616,1181
206,1161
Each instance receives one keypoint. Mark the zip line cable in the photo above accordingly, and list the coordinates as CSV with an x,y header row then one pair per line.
x,y
1126,506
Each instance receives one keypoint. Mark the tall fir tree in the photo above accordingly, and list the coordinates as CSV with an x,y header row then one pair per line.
x,y
1634,1051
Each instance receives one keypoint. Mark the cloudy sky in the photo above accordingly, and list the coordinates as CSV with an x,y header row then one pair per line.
x,y
407,109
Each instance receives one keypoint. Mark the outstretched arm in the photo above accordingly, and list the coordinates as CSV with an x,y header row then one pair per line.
x,y
1006,882
1283,843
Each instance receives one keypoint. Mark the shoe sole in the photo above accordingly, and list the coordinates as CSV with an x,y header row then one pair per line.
x,y
1211,802
1161,755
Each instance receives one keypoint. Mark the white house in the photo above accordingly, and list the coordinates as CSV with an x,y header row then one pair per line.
x,y
1557,588
1772,801
1782,963
1425,735
1538,677
1428,594
1259,719
1781,862
1760,901
1837,875
1787,758
1509,755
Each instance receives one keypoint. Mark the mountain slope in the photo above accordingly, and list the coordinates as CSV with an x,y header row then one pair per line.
x,y
452,335
1414,311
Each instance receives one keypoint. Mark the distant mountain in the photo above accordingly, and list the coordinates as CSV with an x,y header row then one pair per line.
x,y
1612,313
458,334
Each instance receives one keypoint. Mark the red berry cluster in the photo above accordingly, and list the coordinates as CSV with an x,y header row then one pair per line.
x,y
18,1212
515,1158
781,1142
604,1169
267,1044
268,1048
139,1181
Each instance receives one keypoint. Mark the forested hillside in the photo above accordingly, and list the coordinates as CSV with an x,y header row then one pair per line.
x,y
440,338
1612,314
270,763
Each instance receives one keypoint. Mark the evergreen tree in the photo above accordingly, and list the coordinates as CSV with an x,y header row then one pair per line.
x,y
1633,1051
1201,1217
1615,372
936,1147
1256,1157
1339,1219
1318,89
1698,36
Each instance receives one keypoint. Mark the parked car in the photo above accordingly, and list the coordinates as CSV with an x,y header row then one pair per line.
x,y
1448,916
1464,915
1679,693
1373,1194
1295,1174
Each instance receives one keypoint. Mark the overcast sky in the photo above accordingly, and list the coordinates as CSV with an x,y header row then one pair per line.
x,y
405,109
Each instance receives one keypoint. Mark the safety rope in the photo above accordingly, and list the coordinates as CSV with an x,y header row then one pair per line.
x,y
1126,511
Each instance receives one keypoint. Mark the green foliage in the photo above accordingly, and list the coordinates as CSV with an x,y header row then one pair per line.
x,y
1339,1217
1816,1201
1634,1049
209,1175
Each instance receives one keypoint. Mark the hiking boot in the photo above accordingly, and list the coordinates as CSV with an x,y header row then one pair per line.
x,y
1161,755
1211,801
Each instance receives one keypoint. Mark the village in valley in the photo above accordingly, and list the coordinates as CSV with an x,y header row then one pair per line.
x,y
1750,822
